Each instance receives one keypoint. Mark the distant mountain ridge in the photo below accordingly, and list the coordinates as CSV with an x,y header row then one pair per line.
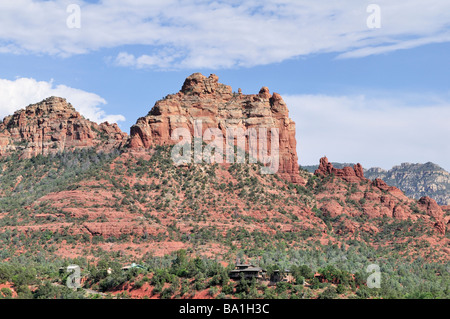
x,y
415,180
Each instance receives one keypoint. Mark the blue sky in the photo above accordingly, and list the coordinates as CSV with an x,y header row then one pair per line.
x,y
375,96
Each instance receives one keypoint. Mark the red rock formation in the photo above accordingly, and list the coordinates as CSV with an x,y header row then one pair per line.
x,y
399,213
433,210
351,175
52,126
389,201
375,199
204,98
380,184
115,229
441,227
430,206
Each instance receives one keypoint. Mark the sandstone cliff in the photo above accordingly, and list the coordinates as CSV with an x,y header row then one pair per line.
x,y
53,125
204,98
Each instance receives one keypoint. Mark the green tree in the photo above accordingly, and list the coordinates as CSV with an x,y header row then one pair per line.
x,y
329,293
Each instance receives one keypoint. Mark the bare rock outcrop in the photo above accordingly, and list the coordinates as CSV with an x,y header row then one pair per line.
x,y
380,184
349,174
435,211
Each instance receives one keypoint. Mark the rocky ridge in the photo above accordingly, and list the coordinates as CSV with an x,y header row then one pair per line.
x,y
375,198
417,180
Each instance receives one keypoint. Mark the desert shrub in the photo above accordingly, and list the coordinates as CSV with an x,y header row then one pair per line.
x,y
6,292
329,293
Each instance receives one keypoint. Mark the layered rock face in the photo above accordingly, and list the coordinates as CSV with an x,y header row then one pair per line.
x,y
52,126
216,106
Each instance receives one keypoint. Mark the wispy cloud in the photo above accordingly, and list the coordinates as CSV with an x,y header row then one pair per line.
x,y
219,34
21,92
161,61
375,131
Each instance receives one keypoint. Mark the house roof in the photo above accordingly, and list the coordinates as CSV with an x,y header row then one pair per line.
x,y
133,265
248,269
245,265
285,271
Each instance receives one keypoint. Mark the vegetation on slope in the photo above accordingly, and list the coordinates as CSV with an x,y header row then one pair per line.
x,y
216,213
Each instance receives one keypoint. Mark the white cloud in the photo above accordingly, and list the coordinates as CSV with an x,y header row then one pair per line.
x,y
144,61
220,34
407,44
375,131
15,95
